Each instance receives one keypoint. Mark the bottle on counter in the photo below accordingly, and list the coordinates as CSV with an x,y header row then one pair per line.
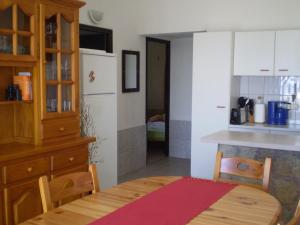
x,y
259,110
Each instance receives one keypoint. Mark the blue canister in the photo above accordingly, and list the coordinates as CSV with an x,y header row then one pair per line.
x,y
272,109
278,112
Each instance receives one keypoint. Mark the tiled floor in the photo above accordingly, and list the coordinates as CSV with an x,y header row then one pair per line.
x,y
155,152
165,166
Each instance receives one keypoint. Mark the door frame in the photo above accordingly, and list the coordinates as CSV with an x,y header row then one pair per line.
x,y
167,88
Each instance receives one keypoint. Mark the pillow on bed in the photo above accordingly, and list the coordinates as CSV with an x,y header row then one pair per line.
x,y
157,118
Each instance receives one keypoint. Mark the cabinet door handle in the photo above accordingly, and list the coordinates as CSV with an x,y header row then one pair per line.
x,y
29,169
71,159
283,70
62,129
221,107
264,70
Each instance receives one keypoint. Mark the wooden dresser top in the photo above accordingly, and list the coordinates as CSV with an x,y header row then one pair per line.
x,y
15,151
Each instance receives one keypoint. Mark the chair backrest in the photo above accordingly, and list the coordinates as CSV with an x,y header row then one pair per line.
x,y
243,167
296,219
53,193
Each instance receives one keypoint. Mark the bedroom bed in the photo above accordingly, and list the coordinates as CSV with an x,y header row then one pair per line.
x,y
156,129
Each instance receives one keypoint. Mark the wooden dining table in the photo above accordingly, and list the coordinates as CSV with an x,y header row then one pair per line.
x,y
241,206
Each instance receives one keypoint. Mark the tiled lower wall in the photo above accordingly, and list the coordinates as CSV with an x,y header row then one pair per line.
x,y
273,89
285,173
180,139
131,149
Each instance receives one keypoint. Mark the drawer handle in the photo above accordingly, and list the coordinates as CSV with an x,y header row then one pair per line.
x,y
71,159
283,70
264,70
62,129
29,170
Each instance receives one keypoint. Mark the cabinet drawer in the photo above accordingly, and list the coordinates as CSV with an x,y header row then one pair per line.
x,y
59,128
25,170
69,159
81,168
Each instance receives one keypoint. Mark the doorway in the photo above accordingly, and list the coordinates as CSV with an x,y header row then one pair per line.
x,y
157,98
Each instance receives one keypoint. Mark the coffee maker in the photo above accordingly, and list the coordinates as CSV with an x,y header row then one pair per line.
x,y
243,113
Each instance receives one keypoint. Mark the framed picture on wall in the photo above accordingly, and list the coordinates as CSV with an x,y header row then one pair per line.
x,y
130,71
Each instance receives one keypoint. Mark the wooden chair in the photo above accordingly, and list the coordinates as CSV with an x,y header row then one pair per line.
x,y
296,219
63,188
243,167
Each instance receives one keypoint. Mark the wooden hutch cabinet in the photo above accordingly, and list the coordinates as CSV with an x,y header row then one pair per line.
x,y
39,101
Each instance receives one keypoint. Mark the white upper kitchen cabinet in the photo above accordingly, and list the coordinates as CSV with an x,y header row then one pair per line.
x,y
287,54
254,53
212,70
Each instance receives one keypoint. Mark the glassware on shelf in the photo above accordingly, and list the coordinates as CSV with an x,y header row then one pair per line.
x,y
66,67
13,93
23,45
51,31
66,98
5,44
66,107
51,98
51,105
51,66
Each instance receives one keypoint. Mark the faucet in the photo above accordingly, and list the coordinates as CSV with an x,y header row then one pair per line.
x,y
295,104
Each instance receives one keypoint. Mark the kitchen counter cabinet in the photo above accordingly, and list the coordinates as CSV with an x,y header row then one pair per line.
x,y
287,53
245,129
284,150
254,53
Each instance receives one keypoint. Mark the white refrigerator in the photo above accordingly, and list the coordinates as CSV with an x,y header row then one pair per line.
x,y
99,94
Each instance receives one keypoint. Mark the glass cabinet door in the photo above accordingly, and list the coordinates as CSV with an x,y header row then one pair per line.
x,y
24,35
17,33
51,32
65,34
6,31
58,64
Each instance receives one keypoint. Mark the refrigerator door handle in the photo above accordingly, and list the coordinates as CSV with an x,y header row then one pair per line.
x,y
92,76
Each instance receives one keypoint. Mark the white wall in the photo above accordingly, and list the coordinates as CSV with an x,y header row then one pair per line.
x,y
132,17
181,79
121,16
170,16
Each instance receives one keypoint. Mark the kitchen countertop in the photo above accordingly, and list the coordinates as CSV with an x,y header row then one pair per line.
x,y
255,140
259,126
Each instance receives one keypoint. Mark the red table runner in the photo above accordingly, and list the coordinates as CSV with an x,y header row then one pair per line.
x,y
174,204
